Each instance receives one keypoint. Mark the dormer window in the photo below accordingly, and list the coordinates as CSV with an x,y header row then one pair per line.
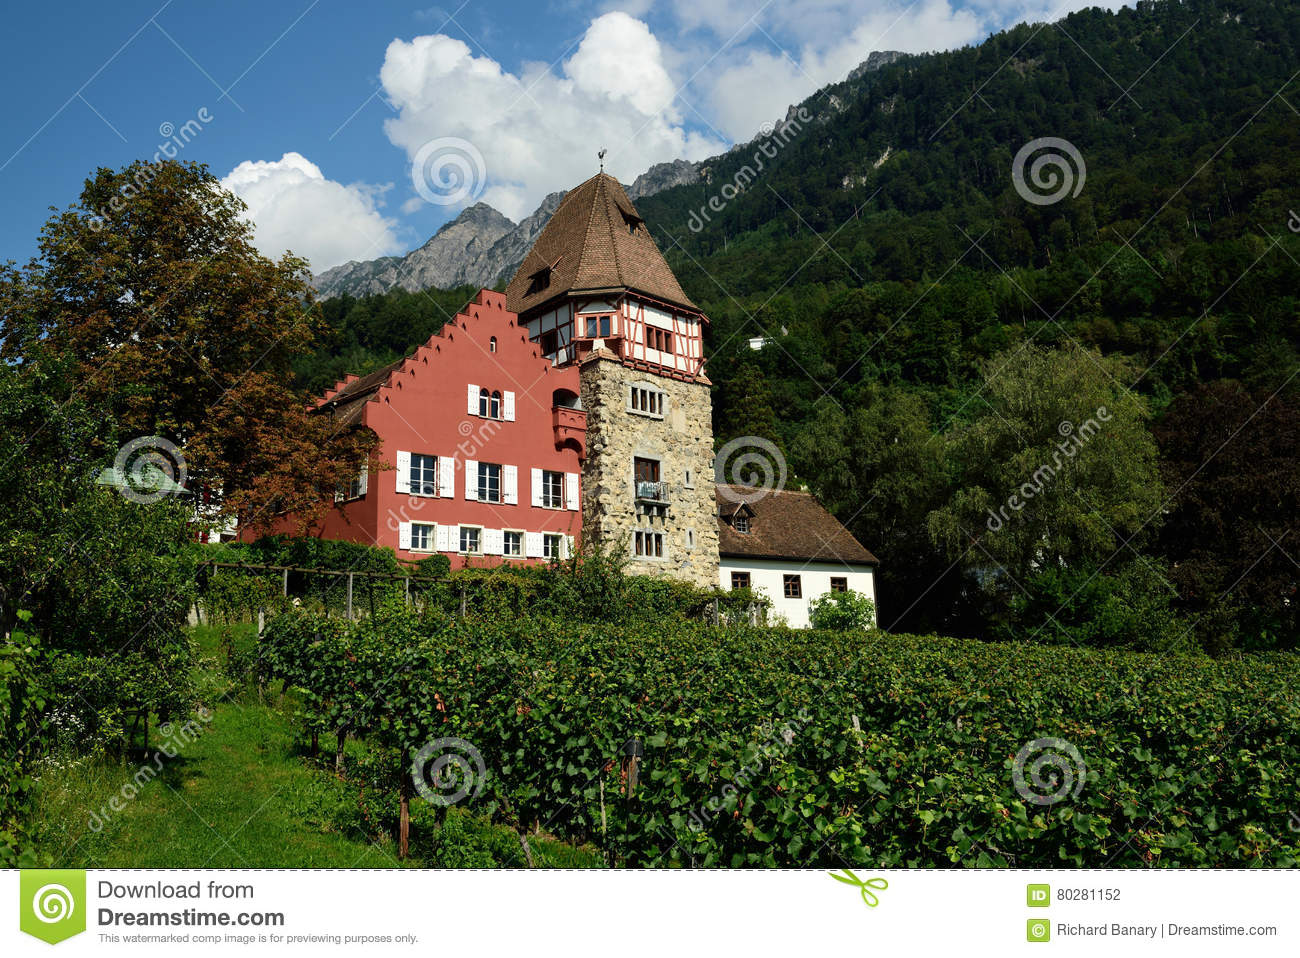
x,y
631,220
740,522
539,281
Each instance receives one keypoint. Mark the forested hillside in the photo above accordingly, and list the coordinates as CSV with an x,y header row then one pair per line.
x,y
936,325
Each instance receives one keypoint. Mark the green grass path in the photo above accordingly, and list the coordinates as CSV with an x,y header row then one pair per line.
x,y
239,796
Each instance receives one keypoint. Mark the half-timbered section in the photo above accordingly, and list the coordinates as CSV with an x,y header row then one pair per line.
x,y
596,294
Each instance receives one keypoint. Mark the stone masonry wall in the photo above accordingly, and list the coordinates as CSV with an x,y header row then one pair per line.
x,y
682,441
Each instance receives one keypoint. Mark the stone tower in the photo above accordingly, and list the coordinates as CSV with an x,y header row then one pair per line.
x,y
595,291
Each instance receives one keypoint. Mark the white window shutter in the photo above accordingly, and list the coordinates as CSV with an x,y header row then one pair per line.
x,y
566,547
338,495
471,480
509,412
403,471
571,490
472,408
364,483
535,479
403,535
493,542
441,535
447,477
510,479
533,545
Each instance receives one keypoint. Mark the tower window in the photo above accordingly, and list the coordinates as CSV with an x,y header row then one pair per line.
x,y
648,545
597,327
645,401
492,345
659,339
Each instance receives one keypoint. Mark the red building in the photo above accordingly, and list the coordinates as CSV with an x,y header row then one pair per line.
x,y
485,439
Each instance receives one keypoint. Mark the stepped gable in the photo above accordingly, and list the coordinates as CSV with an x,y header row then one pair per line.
x,y
785,525
594,241
347,400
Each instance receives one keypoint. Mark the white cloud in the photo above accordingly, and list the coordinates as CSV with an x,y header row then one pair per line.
x,y
805,44
293,207
539,130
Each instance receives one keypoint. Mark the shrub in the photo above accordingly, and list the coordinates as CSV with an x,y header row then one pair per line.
x,y
846,611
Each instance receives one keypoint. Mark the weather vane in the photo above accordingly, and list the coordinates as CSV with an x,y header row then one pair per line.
x,y
601,156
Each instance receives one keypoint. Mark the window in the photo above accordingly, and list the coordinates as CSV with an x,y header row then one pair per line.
x,y
551,548
471,540
552,489
630,220
484,398
740,522
690,480
839,583
647,402
424,472
648,545
489,482
597,327
512,543
494,405
549,342
659,339
492,345
647,470
793,587
422,536
539,281
740,580
354,489
690,538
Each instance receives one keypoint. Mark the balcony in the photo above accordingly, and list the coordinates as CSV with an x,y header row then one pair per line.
x,y
652,493
570,425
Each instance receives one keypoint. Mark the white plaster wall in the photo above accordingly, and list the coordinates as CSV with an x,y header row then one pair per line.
x,y
767,576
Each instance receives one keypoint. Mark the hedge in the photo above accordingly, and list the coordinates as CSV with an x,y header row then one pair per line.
x,y
774,747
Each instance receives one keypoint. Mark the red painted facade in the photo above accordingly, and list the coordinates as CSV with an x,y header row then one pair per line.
x,y
424,407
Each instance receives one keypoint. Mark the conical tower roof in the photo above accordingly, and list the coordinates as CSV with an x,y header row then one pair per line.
x,y
595,240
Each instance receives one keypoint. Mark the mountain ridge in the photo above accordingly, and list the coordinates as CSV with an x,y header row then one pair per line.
x,y
482,246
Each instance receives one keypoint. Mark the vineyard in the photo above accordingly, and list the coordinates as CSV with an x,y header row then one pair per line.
x,y
683,744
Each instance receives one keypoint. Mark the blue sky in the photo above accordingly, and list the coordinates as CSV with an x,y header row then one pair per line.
x,y
354,130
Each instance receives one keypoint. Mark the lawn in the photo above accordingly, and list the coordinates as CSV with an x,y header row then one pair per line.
x,y
240,794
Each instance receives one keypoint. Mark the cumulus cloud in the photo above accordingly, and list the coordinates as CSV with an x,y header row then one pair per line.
x,y
538,130
294,207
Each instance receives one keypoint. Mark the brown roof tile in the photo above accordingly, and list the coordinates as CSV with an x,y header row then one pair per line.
x,y
587,245
785,525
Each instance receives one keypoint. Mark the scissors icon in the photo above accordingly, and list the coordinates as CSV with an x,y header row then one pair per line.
x,y
865,887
